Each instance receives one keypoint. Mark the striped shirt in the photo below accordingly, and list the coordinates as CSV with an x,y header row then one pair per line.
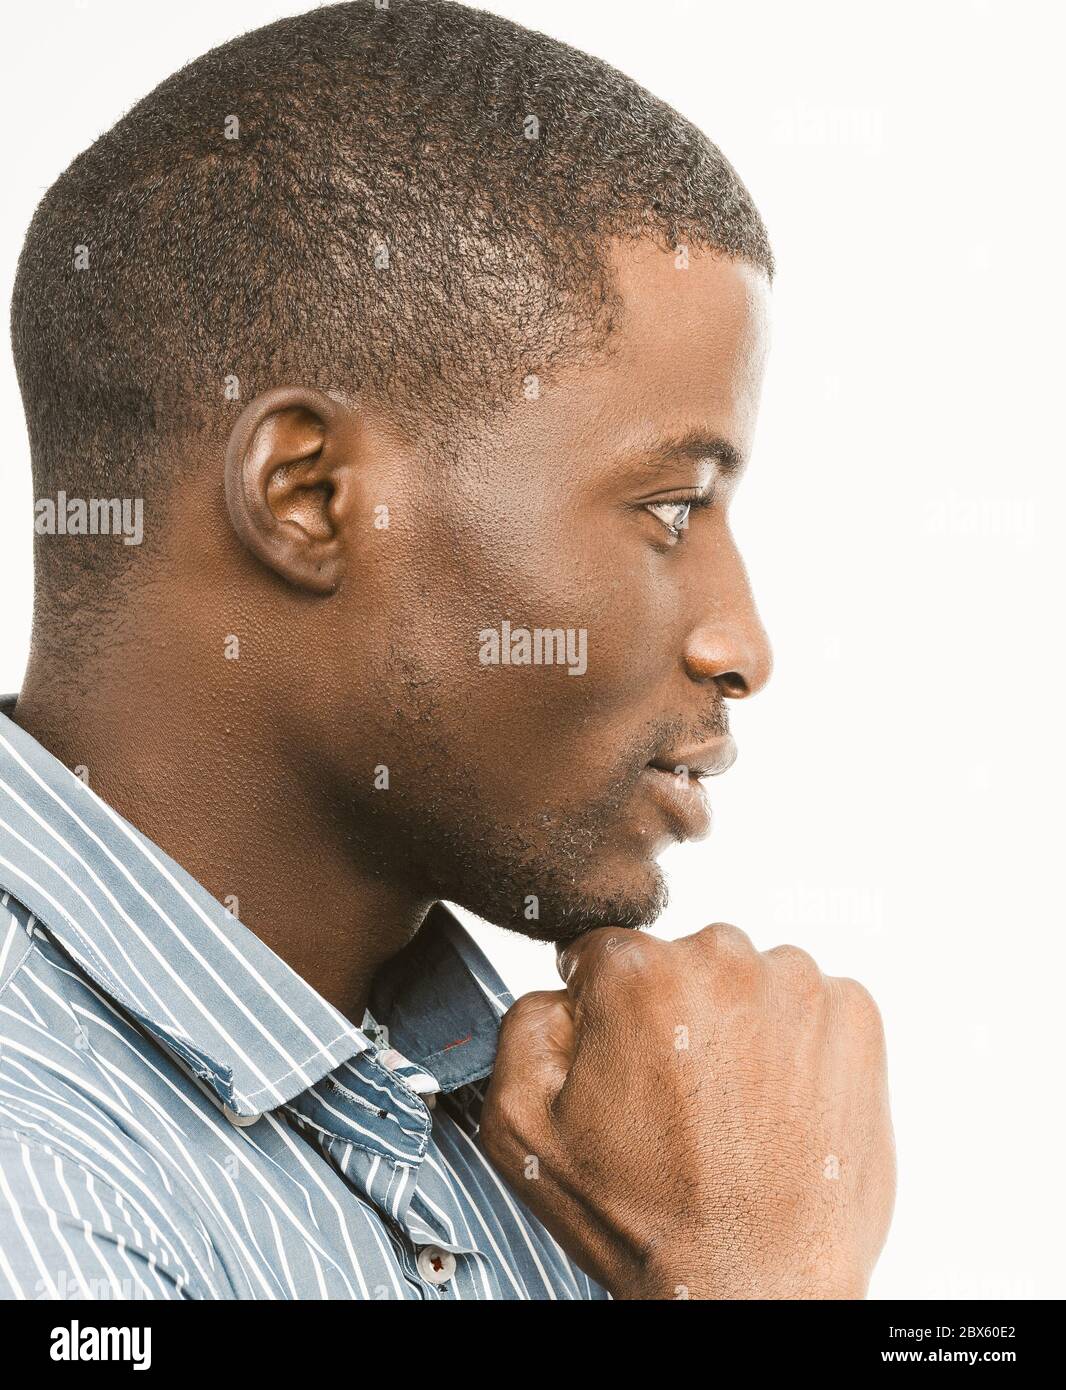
x,y
183,1116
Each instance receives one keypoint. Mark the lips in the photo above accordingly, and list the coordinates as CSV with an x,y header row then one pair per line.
x,y
673,782
700,760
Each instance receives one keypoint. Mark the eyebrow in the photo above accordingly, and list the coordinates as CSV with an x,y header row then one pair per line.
x,y
695,445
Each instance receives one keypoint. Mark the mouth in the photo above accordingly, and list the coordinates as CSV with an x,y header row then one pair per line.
x,y
674,782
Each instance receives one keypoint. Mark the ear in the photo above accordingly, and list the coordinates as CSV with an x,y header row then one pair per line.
x,y
289,483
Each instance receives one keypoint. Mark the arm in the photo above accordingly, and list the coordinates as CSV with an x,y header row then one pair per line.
x,y
65,1233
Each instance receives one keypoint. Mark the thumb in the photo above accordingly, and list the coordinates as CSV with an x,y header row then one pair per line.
x,y
536,1044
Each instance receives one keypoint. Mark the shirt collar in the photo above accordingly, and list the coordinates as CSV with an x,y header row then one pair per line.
x,y
228,1007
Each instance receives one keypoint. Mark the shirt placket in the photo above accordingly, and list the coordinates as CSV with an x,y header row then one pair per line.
x,y
374,1131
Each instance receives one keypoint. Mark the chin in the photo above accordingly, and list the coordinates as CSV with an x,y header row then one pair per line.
x,y
632,897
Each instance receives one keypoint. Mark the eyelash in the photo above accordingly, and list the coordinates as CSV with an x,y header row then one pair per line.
x,y
695,502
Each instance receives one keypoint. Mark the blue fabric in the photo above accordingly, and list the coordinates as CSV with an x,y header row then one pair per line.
x,y
182,1115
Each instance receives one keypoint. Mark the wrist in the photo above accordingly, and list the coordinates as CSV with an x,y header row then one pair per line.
x,y
686,1271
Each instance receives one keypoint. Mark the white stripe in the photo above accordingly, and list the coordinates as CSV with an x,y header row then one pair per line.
x,y
453,1177
522,1224
14,931
174,978
124,1157
219,936
31,1244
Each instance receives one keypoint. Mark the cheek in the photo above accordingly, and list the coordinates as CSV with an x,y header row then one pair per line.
x,y
587,617
570,667
487,614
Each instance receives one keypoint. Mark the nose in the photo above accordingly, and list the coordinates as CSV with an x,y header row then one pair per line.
x,y
729,645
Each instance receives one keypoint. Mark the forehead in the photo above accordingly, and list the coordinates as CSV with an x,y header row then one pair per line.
x,y
690,348
686,358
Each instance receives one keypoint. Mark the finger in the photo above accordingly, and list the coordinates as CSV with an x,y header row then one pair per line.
x,y
603,954
536,1044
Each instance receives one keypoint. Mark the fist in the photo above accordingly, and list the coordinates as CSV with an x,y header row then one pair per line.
x,y
700,1119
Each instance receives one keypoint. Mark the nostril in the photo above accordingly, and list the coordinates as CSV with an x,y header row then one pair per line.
x,y
733,685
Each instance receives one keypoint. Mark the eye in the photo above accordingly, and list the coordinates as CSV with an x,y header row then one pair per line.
x,y
675,512
673,515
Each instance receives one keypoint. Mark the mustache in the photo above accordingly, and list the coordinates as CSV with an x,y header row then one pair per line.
x,y
675,733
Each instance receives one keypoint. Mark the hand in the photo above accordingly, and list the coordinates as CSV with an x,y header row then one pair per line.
x,y
700,1119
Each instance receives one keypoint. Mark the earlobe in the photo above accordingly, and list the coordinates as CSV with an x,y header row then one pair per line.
x,y
287,474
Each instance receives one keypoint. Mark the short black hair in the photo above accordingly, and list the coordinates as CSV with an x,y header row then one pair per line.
x,y
409,203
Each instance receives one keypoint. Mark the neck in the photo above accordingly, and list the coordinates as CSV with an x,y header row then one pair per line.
x,y
198,773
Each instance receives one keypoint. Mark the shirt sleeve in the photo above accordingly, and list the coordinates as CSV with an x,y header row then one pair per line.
x,y
66,1234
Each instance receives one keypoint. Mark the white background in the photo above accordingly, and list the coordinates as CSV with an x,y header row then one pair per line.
x,y
896,808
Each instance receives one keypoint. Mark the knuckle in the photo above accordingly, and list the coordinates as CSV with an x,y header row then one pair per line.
x,y
629,953
724,940
586,950
717,967
796,967
624,956
727,954
861,1008
858,997
597,941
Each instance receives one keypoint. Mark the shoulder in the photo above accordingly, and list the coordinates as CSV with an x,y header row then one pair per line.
x,y
67,1232
83,1209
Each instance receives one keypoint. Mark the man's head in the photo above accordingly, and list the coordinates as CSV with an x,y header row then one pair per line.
x,y
418,333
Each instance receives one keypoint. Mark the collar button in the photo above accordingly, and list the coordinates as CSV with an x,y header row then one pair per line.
x,y
241,1121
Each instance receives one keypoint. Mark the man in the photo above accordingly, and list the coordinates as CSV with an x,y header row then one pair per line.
x,y
432,350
